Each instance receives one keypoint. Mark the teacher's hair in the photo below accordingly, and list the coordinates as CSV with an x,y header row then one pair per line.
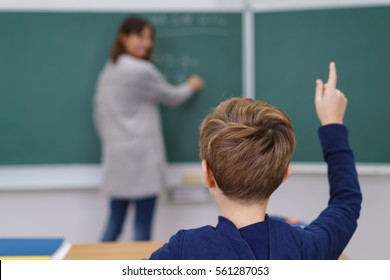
x,y
129,25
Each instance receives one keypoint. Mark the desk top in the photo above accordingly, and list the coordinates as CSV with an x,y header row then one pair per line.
x,y
118,251
113,251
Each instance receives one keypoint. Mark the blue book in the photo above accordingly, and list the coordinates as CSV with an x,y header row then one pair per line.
x,y
29,248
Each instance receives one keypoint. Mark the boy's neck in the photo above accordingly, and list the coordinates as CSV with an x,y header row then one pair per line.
x,y
242,214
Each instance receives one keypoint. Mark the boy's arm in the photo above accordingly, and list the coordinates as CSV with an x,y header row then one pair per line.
x,y
330,233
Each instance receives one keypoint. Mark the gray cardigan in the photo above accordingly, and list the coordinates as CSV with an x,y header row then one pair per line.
x,y
127,118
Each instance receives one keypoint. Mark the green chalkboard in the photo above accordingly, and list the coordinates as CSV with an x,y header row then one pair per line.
x,y
49,63
294,48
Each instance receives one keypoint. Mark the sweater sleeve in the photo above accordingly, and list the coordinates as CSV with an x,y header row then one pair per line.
x,y
170,250
159,90
328,235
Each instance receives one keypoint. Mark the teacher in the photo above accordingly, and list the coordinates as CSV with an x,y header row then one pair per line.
x,y
129,90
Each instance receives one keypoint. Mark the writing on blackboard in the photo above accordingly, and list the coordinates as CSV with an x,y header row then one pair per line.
x,y
177,67
188,20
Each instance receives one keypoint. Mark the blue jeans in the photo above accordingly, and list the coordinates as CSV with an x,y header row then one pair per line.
x,y
144,210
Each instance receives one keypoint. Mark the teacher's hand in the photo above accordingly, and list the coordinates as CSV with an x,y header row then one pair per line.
x,y
195,82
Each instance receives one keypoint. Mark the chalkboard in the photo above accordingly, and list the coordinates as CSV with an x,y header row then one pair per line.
x,y
294,48
49,63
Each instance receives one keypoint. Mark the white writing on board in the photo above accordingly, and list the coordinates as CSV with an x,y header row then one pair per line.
x,y
176,67
188,20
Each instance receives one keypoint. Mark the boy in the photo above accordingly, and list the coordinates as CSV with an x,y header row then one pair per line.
x,y
246,147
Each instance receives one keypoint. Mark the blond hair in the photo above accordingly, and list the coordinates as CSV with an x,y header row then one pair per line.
x,y
248,145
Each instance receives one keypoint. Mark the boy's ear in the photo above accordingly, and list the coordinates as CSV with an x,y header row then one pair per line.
x,y
288,173
208,175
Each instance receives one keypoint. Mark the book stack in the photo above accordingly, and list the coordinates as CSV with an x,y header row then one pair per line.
x,y
33,248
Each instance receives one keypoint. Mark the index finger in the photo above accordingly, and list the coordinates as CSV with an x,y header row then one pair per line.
x,y
332,79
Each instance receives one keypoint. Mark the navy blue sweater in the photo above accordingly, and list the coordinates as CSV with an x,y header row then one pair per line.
x,y
325,238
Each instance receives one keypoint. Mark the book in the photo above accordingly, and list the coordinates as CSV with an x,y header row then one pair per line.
x,y
33,248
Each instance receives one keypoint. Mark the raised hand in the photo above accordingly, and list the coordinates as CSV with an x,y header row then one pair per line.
x,y
329,101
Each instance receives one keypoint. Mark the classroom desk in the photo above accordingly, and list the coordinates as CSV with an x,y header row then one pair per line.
x,y
118,251
113,251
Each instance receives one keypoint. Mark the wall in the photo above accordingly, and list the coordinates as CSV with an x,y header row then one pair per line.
x,y
79,214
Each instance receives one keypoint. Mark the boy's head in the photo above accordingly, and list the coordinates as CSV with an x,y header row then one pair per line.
x,y
248,145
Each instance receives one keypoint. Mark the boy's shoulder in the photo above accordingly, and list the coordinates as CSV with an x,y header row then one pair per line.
x,y
183,242
203,243
221,242
225,242
195,236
